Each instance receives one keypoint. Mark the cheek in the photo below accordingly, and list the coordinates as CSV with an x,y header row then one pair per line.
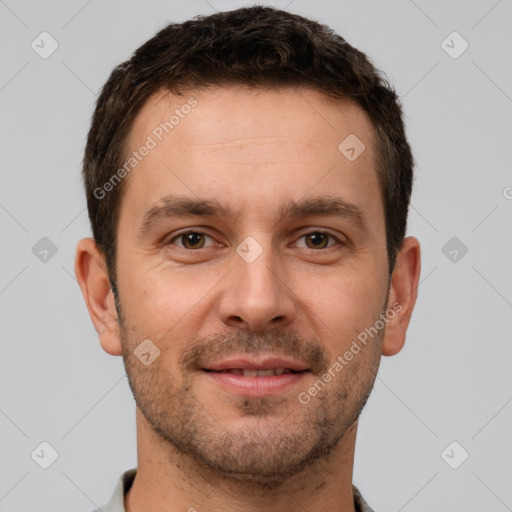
x,y
343,306
163,301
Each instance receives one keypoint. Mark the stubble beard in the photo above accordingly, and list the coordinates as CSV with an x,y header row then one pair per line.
x,y
277,446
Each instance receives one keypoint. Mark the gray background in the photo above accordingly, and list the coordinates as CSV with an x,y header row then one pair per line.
x,y
452,381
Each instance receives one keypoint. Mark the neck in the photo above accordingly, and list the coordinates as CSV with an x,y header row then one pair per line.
x,y
170,481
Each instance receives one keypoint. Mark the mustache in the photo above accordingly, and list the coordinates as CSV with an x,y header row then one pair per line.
x,y
278,341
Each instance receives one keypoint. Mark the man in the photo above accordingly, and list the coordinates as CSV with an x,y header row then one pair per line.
x,y
248,180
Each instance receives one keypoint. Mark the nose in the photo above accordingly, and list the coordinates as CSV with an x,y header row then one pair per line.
x,y
256,296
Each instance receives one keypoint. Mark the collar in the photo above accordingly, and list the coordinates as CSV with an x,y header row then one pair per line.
x,y
116,503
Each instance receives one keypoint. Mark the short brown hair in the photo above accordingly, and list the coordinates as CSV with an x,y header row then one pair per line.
x,y
256,47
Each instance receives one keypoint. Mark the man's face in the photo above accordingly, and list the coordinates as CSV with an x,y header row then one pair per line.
x,y
251,300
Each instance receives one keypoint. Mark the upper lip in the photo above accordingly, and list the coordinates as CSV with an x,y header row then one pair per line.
x,y
256,363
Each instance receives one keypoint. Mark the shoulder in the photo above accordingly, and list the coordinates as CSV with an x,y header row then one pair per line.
x,y
116,502
360,504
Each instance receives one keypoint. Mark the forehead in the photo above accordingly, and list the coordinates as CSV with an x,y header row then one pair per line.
x,y
251,142
230,113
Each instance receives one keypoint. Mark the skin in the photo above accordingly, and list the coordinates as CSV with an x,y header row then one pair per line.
x,y
308,297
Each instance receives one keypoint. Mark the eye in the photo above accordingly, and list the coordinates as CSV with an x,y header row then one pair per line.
x,y
191,240
318,240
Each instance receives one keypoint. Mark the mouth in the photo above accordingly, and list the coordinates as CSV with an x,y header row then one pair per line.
x,y
262,372
258,376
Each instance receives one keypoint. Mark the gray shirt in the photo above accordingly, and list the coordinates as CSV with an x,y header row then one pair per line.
x,y
116,503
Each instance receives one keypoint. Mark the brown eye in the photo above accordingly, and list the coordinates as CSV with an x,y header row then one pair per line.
x,y
193,240
190,240
317,240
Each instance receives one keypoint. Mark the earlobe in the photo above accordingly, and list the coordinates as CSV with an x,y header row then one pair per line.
x,y
110,338
91,273
402,295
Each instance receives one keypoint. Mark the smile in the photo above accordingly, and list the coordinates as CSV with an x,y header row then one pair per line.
x,y
265,372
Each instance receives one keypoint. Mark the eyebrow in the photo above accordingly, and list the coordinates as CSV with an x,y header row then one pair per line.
x,y
173,206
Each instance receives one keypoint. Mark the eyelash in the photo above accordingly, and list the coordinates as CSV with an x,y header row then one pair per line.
x,y
315,232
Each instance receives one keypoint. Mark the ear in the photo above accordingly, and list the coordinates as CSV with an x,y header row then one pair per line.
x,y
402,295
91,273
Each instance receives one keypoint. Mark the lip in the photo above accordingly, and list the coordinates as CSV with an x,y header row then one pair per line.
x,y
255,363
256,386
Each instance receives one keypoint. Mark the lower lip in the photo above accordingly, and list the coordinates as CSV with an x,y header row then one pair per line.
x,y
257,386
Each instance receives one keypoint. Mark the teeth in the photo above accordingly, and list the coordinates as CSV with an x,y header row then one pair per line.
x,y
236,371
270,372
266,373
